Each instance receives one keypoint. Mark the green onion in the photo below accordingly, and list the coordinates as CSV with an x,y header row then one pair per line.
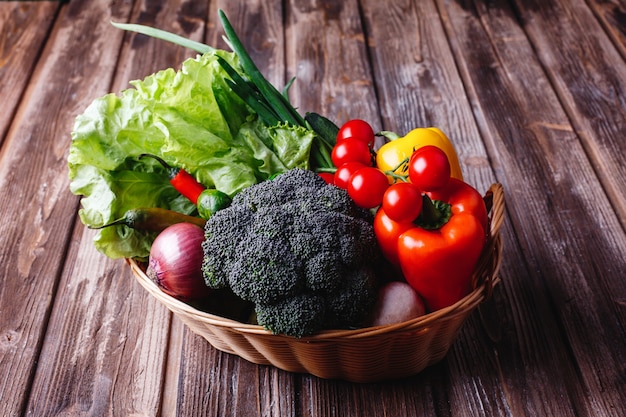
x,y
164,35
250,94
279,103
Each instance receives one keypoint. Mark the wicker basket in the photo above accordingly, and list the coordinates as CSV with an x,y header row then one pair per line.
x,y
364,355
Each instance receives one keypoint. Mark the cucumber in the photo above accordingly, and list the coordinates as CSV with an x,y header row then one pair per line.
x,y
324,127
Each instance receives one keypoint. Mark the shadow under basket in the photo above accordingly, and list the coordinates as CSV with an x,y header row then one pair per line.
x,y
364,355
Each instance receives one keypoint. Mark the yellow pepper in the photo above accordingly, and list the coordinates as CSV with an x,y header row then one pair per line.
x,y
391,154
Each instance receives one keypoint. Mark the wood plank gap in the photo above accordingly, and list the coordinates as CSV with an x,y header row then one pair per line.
x,y
171,377
36,195
612,21
370,63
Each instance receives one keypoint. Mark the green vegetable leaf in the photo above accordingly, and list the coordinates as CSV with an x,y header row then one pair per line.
x,y
164,35
279,102
193,120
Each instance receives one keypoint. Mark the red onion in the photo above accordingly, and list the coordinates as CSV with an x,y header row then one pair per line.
x,y
176,262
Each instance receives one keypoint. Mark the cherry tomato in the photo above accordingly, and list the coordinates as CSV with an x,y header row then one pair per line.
x,y
327,177
357,129
402,202
429,168
344,172
367,187
351,150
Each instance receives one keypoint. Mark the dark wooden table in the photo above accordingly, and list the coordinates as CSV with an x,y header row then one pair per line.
x,y
533,93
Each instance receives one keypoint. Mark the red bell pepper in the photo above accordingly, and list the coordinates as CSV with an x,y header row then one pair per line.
x,y
437,254
387,233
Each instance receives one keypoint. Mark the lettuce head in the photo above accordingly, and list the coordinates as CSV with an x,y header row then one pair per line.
x,y
191,119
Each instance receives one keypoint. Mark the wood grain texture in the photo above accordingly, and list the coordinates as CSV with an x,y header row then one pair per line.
x,y
612,16
415,396
551,182
588,75
24,29
105,339
34,187
120,334
213,383
142,55
327,54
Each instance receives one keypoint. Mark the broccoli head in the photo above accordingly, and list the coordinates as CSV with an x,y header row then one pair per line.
x,y
299,249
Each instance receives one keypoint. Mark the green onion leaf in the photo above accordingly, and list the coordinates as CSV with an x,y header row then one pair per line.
x,y
164,35
280,104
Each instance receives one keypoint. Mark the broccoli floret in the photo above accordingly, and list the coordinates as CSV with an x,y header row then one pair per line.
x,y
278,191
298,316
297,248
220,238
336,199
353,299
265,272
323,273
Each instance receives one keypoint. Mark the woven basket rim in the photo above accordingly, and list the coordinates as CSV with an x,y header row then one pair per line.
x,y
468,302
494,199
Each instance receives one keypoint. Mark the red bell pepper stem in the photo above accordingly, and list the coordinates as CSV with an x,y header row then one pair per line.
x,y
181,180
434,214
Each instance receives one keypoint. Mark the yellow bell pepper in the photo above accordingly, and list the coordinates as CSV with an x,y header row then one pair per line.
x,y
391,154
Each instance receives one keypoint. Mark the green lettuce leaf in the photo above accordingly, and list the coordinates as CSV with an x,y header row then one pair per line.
x,y
194,121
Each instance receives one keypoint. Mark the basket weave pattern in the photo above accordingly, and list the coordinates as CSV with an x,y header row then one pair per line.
x,y
362,355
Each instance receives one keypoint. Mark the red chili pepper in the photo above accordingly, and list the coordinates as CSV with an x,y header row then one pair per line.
x,y
182,181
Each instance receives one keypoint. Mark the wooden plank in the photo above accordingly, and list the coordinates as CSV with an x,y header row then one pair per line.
x,y
569,236
327,54
589,76
25,27
416,82
211,382
610,14
415,396
34,187
106,343
174,357
142,55
107,340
